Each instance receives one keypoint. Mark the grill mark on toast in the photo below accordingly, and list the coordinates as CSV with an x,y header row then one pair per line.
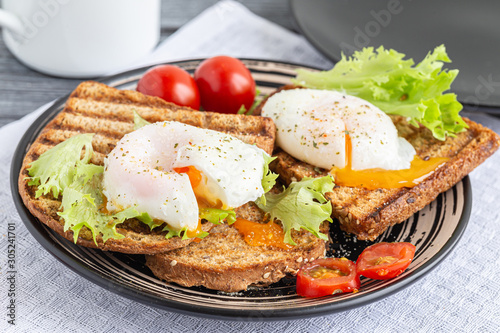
x,y
102,144
83,124
103,110
251,129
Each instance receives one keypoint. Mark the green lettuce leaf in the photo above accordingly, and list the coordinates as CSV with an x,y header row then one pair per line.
x,y
55,169
269,178
181,233
301,206
397,86
139,121
255,104
81,204
215,216
212,215
174,232
146,219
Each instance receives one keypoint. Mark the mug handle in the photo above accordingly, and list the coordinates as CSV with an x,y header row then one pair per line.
x,y
11,21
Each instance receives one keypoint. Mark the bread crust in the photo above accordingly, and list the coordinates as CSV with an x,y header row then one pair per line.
x,y
108,112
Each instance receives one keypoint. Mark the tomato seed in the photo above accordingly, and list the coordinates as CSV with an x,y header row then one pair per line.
x,y
385,260
326,273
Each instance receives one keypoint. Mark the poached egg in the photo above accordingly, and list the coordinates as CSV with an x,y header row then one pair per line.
x,y
347,135
170,170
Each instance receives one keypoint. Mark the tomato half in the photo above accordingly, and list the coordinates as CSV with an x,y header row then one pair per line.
x,y
383,261
225,84
172,84
327,276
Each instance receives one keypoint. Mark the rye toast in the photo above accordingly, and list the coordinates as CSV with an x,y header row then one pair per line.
x,y
108,112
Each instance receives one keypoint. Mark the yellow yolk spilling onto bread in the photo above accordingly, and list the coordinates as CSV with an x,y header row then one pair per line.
x,y
380,178
195,232
262,234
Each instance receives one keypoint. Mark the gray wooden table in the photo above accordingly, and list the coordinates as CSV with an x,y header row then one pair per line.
x,y
23,90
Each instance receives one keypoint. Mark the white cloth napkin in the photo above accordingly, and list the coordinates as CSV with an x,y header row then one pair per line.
x,y
460,295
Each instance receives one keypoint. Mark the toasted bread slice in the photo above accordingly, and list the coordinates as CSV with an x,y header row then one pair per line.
x,y
224,261
368,213
108,112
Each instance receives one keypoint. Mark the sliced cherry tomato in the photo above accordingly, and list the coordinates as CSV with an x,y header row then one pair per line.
x,y
383,261
171,83
327,276
225,84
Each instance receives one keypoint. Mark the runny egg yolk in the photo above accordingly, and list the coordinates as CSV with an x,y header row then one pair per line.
x,y
193,174
261,234
195,178
203,196
195,232
380,178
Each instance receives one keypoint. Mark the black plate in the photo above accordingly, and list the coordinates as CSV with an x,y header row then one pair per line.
x,y
435,231
469,29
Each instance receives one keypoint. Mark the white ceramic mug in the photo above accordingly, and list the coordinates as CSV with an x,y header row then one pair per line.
x,y
80,38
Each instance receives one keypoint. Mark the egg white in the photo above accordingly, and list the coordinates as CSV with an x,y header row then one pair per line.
x,y
312,126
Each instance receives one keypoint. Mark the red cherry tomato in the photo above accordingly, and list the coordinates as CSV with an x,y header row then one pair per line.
x,y
171,83
327,276
383,261
225,84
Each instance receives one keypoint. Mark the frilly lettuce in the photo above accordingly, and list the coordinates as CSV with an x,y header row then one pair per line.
x,y
56,168
269,178
183,233
301,206
385,79
215,216
80,209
